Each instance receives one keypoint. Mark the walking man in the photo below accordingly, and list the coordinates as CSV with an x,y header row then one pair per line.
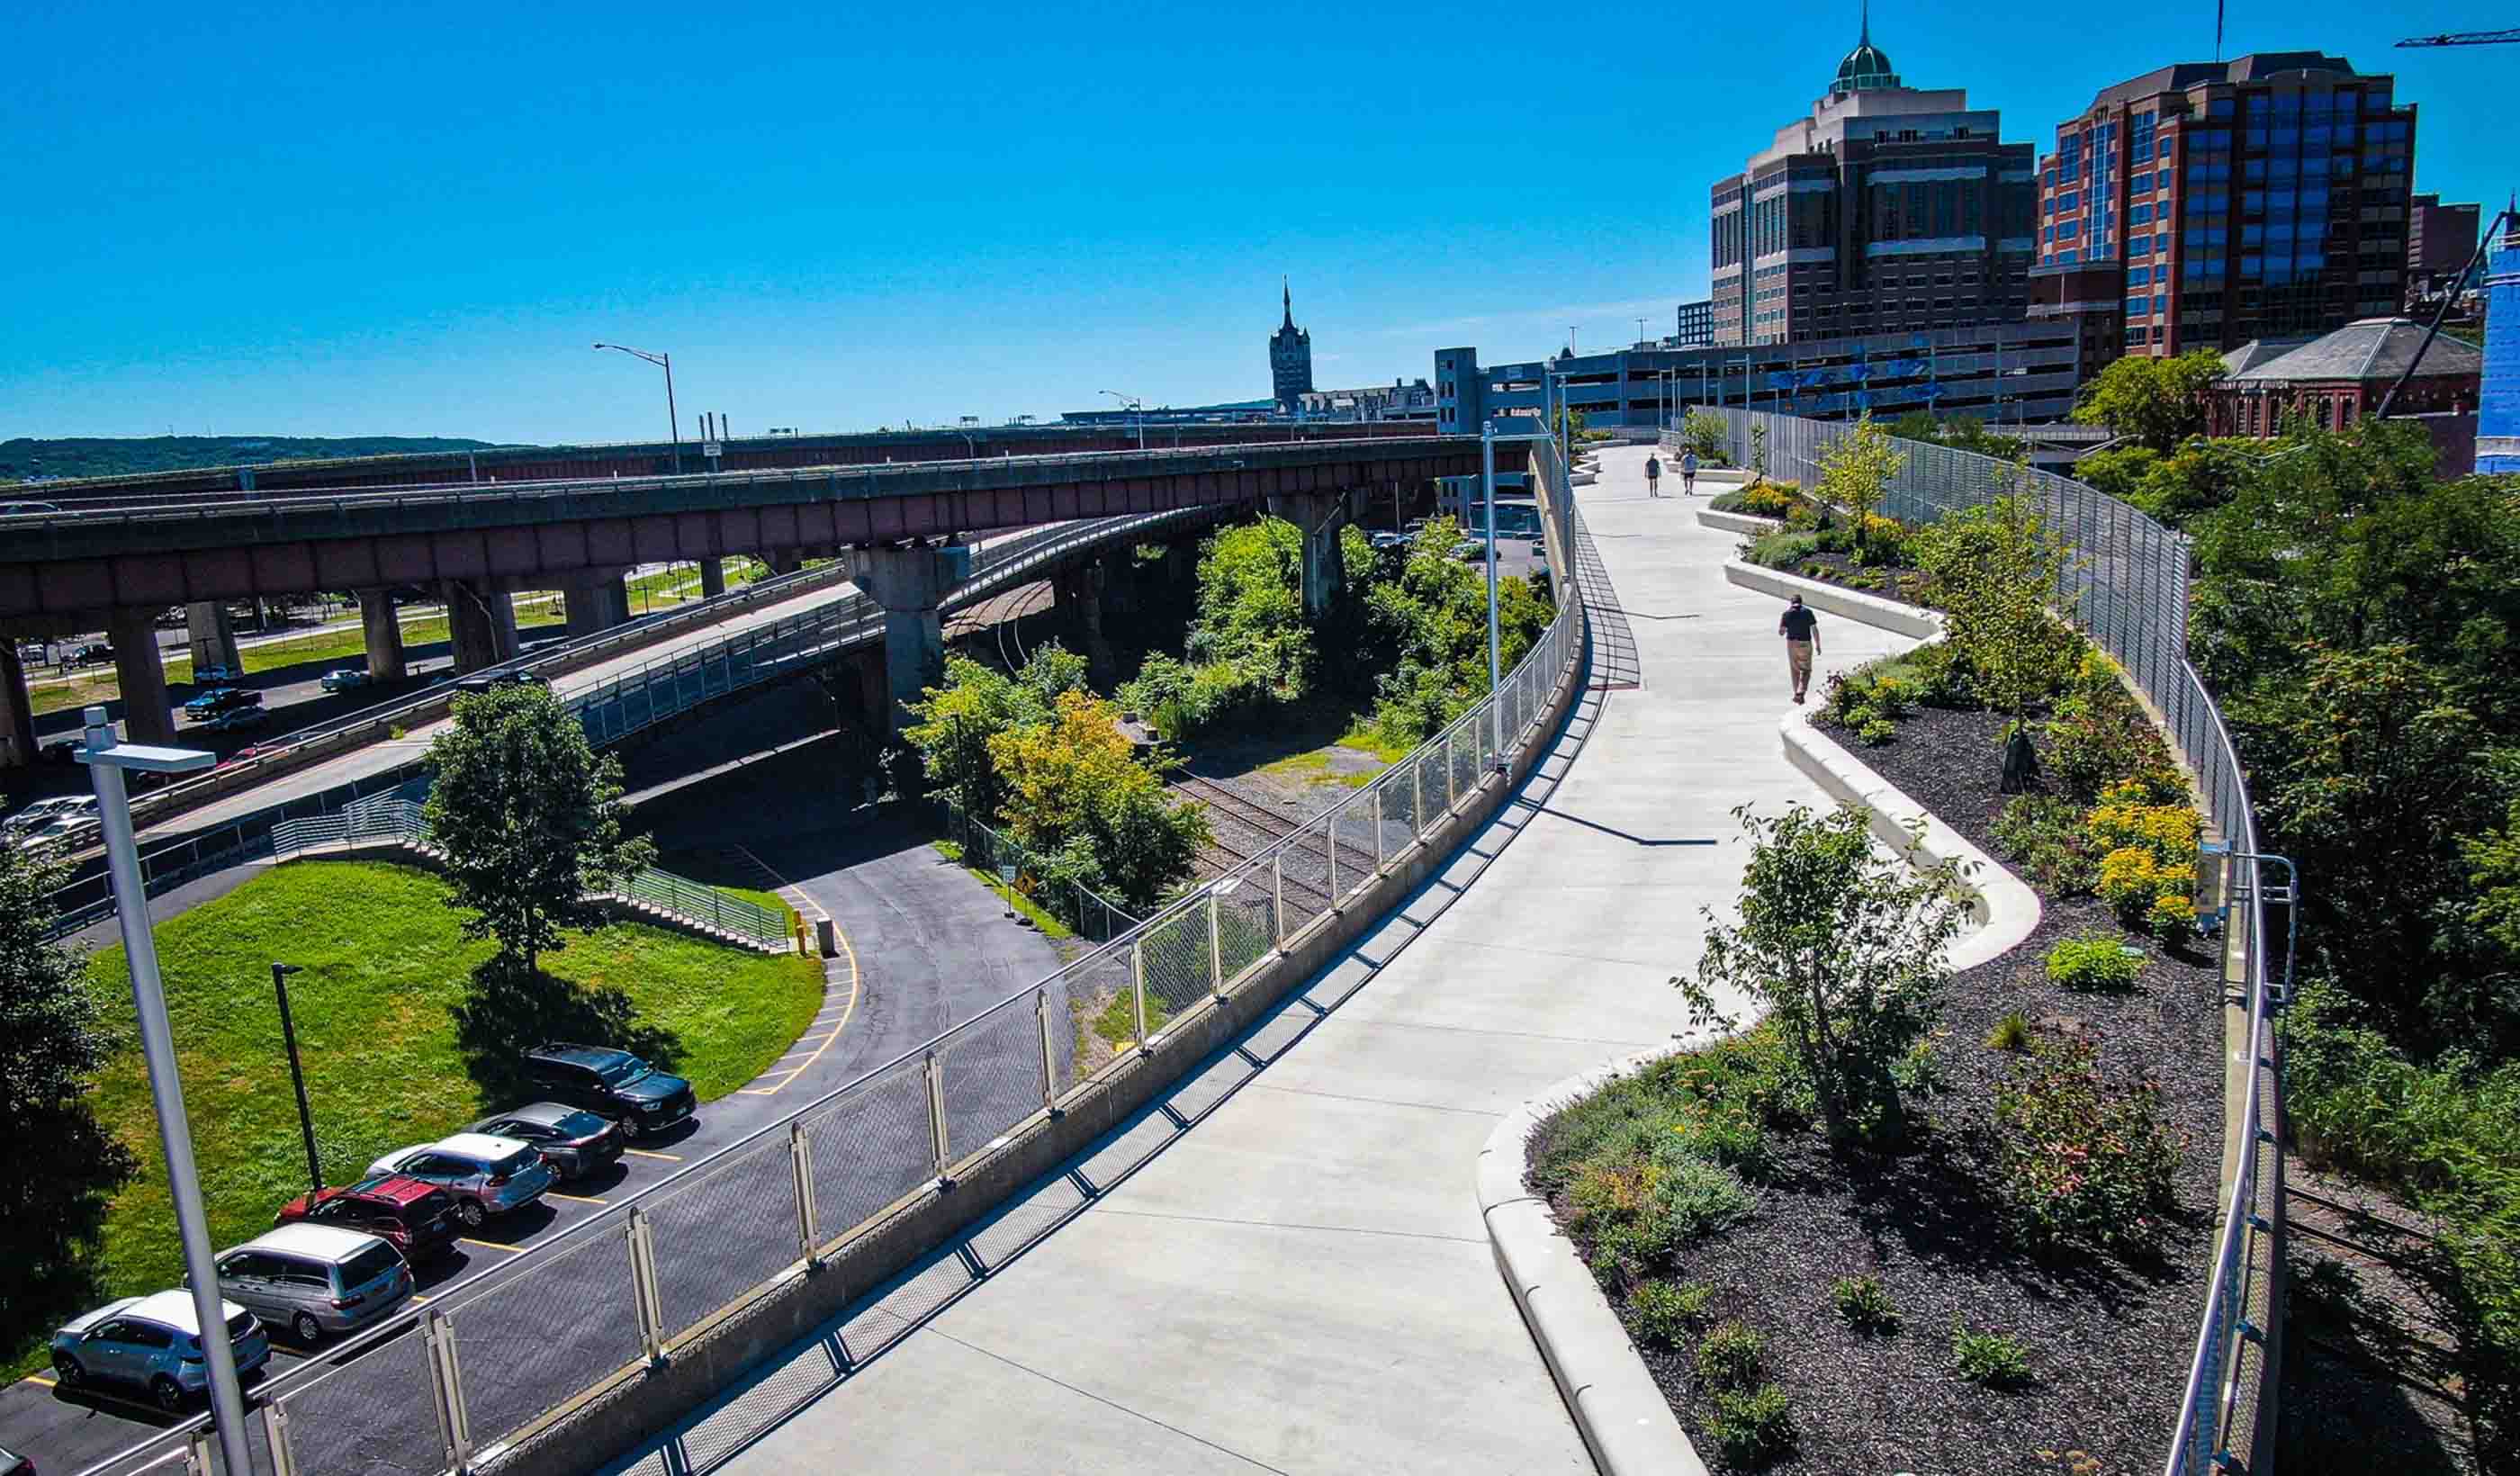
x,y
1688,473
1654,476
1801,630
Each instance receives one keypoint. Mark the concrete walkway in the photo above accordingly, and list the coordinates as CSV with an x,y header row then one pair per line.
x,y
1299,1280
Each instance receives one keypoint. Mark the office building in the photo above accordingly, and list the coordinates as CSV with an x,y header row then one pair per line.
x,y
1694,326
2260,197
2498,422
1888,209
1291,358
2440,240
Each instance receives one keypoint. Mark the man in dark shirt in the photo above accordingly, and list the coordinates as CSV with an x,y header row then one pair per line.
x,y
1801,630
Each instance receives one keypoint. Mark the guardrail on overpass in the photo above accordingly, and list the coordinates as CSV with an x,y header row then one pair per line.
x,y
455,1386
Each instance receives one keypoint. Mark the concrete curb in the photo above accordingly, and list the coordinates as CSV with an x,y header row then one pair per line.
x,y
2005,909
1736,522
1854,605
1626,1422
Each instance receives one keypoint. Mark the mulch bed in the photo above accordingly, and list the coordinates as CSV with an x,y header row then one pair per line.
x,y
2109,1340
1902,585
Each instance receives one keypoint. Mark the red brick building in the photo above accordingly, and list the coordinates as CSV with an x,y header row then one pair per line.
x,y
2341,378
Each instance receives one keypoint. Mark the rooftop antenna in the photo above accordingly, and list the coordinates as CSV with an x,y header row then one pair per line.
x,y
2218,28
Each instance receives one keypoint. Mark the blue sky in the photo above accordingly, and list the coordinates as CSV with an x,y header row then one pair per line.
x,y
345,219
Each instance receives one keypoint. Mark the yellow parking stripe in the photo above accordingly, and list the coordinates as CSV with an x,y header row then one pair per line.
x,y
575,1198
37,1379
643,1153
513,1250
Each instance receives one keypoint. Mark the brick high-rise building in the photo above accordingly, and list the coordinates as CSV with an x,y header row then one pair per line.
x,y
2440,240
2260,197
1891,208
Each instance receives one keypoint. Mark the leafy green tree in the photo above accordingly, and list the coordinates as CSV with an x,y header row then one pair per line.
x,y
1251,606
63,1167
1840,948
1426,632
2155,402
1856,471
1706,434
530,819
1075,789
954,721
1995,569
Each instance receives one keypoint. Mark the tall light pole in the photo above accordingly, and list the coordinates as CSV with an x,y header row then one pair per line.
x,y
665,362
280,973
105,760
1137,407
1487,486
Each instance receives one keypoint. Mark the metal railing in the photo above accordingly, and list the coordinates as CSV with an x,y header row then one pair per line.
x,y
1092,915
2126,586
654,692
652,1271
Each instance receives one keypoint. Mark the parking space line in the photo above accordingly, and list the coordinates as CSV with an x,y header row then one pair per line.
x,y
513,1250
37,1379
643,1153
850,952
575,1198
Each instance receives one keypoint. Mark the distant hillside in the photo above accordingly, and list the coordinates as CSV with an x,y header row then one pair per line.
x,y
84,456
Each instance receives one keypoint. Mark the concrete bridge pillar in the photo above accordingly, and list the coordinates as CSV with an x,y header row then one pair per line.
x,y
1078,590
142,675
383,631
213,636
712,578
785,560
16,710
597,602
1318,515
911,584
481,625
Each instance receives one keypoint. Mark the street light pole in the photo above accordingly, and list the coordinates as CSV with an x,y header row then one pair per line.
x,y
1496,695
105,760
673,419
280,973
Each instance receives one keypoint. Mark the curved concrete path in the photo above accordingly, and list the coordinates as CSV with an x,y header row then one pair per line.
x,y
1294,1275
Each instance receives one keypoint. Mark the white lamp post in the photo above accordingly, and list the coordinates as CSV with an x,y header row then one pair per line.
x,y
105,760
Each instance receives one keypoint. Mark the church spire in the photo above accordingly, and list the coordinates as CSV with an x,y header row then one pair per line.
x,y
1286,295
1865,39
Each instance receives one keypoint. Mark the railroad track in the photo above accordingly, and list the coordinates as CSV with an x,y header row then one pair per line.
x,y
1304,864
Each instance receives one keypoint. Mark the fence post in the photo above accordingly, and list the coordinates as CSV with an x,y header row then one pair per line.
x,y
275,1434
446,1389
1452,785
1137,990
1049,1053
643,1297
801,1156
1215,946
196,1452
1378,828
1330,850
1278,896
1416,798
939,1144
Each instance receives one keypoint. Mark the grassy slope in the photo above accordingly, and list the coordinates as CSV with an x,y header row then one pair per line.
x,y
384,965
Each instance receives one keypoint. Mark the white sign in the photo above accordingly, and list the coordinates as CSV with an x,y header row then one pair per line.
x,y
1006,874
711,449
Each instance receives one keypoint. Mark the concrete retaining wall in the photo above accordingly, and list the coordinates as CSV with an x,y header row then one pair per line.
x,y
1836,599
1736,522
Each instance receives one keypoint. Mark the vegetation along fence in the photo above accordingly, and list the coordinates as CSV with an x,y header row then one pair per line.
x,y
1087,910
650,1274
2126,585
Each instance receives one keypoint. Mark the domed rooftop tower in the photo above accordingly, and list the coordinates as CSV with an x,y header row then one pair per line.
x,y
1866,67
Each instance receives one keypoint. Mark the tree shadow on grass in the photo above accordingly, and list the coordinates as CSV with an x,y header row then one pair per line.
x,y
507,1011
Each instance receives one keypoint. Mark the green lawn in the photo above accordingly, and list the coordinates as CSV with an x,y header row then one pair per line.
x,y
379,1013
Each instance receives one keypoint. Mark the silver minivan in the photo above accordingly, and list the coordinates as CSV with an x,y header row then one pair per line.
x,y
315,1279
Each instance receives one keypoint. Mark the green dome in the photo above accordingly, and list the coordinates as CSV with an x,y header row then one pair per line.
x,y
1865,67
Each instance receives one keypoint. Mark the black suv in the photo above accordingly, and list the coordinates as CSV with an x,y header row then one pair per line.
x,y
611,1083
491,680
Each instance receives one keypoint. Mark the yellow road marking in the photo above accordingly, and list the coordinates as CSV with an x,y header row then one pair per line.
x,y
850,1010
513,1250
418,1296
643,1153
37,1379
575,1198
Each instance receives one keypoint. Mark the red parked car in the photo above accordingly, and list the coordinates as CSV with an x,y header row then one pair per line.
x,y
418,1218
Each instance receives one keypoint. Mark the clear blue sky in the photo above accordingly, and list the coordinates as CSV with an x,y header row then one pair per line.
x,y
345,219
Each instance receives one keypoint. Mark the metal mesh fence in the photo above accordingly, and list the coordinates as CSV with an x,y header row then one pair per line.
x,y
374,1414
533,1338
992,1070
1174,962
725,1232
871,1146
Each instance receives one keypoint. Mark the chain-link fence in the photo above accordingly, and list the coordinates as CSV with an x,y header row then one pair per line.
x,y
437,1386
1081,908
2125,583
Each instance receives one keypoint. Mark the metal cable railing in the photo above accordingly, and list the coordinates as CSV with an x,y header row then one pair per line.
x,y
652,1269
2126,586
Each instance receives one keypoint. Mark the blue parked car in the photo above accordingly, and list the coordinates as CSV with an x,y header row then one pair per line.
x,y
153,1343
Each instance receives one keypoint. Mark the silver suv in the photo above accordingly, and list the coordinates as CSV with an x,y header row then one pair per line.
x,y
316,1279
151,1342
487,1176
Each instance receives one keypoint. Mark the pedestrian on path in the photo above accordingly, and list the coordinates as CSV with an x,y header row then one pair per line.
x,y
1654,476
1801,630
1688,473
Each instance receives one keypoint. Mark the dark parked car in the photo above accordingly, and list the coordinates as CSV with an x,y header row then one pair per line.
x,y
611,1083
14,1464
88,655
418,1218
486,680
220,699
576,1143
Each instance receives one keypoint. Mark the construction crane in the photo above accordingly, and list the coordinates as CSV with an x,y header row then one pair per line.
x,y
2465,38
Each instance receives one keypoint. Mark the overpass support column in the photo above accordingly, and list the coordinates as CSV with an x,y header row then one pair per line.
x,y
911,584
16,710
1318,515
383,631
213,636
481,625
712,578
141,674
597,602
1078,591
785,560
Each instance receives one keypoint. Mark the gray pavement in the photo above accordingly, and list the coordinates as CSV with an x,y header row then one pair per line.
x,y
1299,1280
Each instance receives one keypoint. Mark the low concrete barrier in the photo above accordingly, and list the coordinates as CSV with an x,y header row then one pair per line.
x,y
1736,522
1836,599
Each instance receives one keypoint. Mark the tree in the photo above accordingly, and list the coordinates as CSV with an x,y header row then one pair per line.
x,y
954,721
1707,433
530,819
1840,947
1251,606
1076,792
2156,402
1994,570
1856,471
61,1165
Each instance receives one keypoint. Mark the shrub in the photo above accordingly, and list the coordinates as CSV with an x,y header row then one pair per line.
x,y
2128,816
2099,736
1751,1429
2080,1162
2172,919
2011,1033
1877,733
1694,1200
2134,880
1665,1313
2045,836
1784,548
1729,1356
2094,961
1941,676
1723,1133
1988,1358
1864,1304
